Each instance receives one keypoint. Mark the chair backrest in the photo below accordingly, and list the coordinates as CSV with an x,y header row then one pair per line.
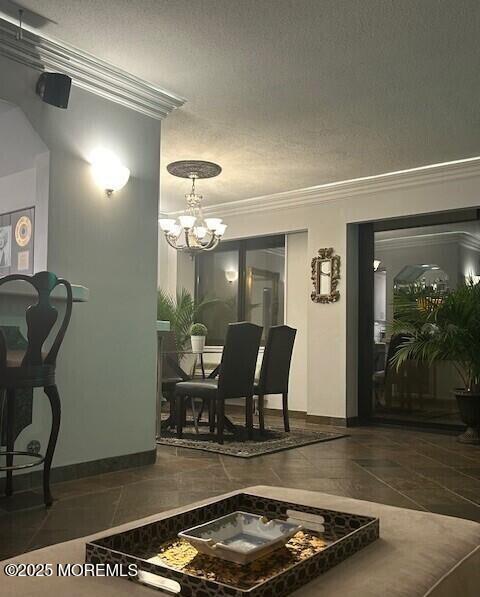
x,y
239,360
277,357
41,317
395,342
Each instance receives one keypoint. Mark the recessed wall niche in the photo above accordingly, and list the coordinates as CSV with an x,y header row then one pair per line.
x,y
24,188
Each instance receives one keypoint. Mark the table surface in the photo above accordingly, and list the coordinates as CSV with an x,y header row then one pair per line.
x,y
418,554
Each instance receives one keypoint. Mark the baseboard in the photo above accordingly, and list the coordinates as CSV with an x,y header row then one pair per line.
x,y
300,415
83,469
240,409
336,421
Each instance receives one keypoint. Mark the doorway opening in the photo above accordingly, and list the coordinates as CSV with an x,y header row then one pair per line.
x,y
403,260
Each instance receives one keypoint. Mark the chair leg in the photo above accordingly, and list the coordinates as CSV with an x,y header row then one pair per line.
x,y
249,416
220,408
54,398
261,413
211,415
10,439
194,415
286,421
179,415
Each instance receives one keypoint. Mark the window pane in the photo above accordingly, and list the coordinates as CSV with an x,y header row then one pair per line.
x,y
264,292
414,266
218,279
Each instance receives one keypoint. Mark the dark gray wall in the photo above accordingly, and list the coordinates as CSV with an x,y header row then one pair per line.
x,y
107,368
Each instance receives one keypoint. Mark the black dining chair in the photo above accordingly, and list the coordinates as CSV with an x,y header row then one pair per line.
x,y
235,379
275,370
34,367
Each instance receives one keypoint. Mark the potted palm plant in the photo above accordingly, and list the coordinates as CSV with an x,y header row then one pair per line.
x,y
181,311
198,333
446,328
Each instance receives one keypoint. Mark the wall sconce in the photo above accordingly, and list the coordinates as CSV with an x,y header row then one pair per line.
x,y
231,275
108,172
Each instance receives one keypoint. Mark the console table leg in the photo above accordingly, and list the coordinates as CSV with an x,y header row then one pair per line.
x,y
54,398
10,439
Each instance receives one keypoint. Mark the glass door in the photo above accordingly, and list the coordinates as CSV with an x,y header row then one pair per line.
x,y
413,266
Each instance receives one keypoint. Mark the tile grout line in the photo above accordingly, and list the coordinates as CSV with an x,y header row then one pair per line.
x,y
117,506
447,450
448,489
393,488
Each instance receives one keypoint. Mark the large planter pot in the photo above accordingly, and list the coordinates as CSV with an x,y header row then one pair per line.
x,y
198,343
469,407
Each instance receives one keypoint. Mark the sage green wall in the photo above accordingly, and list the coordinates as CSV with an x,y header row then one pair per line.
x,y
107,368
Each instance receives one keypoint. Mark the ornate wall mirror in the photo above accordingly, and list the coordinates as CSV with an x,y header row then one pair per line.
x,y
325,276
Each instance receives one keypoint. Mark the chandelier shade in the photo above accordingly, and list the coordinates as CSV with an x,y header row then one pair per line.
x,y
192,232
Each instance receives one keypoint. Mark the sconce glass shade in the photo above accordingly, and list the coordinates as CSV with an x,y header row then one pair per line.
x,y
376,263
200,232
231,275
108,172
187,221
213,223
166,224
220,229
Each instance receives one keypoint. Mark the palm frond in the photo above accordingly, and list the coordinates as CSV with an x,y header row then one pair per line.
x,y
181,311
438,328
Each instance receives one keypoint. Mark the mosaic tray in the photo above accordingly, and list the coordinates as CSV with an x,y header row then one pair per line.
x,y
343,533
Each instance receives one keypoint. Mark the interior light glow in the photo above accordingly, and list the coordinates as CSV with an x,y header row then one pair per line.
x,y
231,275
107,171
220,229
187,222
213,223
166,224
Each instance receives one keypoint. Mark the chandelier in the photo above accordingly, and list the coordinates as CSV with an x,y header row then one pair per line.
x,y
192,232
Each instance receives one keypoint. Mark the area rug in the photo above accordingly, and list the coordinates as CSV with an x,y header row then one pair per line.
x,y
274,440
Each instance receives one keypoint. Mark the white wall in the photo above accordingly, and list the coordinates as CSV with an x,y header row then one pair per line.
x,y
24,174
325,217
107,367
297,293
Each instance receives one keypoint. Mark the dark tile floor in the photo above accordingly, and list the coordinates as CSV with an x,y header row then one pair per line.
x,y
392,466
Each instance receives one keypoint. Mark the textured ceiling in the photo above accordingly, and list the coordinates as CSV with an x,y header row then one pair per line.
x,y
287,94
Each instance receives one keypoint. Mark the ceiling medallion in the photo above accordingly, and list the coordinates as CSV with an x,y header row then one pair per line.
x,y
192,233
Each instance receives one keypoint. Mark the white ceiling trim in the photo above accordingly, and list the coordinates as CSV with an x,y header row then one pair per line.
x,y
464,239
459,169
87,72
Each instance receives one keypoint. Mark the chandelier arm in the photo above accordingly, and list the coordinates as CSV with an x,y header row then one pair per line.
x,y
172,243
187,240
213,242
212,245
205,245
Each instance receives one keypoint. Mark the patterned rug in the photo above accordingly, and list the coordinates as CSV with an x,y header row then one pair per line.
x,y
274,440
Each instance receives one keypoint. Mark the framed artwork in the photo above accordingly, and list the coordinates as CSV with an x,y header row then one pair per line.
x,y
5,247
17,232
325,276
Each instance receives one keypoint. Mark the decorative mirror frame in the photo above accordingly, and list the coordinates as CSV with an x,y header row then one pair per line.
x,y
327,254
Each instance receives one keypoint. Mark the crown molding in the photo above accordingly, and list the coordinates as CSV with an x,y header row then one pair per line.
x,y
463,239
87,71
346,189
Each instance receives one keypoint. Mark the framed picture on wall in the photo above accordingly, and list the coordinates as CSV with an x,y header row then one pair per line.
x,y
17,231
5,247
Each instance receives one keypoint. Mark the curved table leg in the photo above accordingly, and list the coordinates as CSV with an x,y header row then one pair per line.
x,y
54,398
